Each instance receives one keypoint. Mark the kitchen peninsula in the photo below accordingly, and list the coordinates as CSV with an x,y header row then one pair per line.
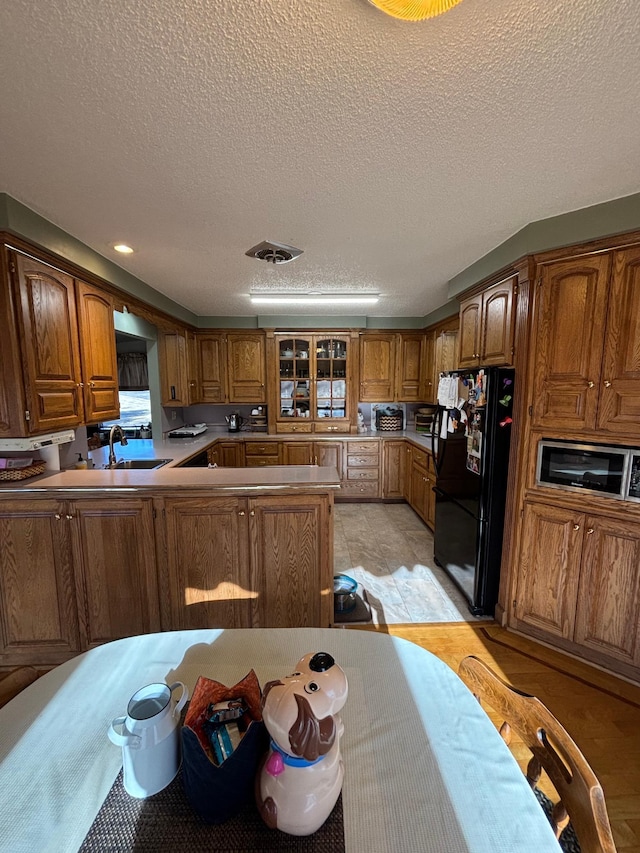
x,y
95,555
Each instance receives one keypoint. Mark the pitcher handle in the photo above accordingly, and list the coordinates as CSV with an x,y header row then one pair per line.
x,y
119,739
182,701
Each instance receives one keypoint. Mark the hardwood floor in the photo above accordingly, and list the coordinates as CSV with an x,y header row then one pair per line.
x,y
600,711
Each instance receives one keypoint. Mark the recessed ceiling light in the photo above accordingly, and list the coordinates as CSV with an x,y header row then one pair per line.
x,y
327,299
123,248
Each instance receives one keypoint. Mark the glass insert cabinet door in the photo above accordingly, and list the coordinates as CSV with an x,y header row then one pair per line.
x,y
313,377
331,378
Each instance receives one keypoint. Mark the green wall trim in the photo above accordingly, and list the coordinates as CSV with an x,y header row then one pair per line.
x,y
20,220
578,226
442,313
228,322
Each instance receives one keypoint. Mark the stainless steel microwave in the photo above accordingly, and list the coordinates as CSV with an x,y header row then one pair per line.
x,y
593,468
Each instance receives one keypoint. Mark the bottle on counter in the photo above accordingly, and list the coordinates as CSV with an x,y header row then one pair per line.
x,y
82,463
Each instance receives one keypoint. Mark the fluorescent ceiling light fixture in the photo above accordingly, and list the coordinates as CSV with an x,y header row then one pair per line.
x,y
123,248
326,299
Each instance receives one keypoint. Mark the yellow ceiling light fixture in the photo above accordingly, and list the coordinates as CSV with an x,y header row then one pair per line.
x,y
414,10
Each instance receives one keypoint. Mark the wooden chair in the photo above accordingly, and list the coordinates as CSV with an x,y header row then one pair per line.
x,y
581,796
15,681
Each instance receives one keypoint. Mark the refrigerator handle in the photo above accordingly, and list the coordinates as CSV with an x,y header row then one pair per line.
x,y
438,492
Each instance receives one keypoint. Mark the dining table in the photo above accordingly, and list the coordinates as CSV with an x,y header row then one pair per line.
x,y
425,768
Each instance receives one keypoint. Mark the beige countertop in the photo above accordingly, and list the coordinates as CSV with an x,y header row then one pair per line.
x,y
276,477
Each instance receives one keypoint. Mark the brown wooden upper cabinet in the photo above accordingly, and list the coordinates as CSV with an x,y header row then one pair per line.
x,y
377,367
60,369
174,381
313,390
587,344
97,354
487,325
410,377
211,357
246,368
211,367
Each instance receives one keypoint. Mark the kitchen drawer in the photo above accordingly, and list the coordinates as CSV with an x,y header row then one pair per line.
x,y
296,426
419,457
362,460
359,489
261,461
371,446
261,448
324,427
362,474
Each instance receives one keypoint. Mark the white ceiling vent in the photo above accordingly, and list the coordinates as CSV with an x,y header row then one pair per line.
x,y
275,253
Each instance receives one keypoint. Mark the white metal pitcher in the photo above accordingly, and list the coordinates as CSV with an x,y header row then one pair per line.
x,y
150,738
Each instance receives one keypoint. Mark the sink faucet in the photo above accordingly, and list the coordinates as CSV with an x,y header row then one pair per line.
x,y
116,428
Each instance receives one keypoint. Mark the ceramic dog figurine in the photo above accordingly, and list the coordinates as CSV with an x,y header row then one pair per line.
x,y
301,776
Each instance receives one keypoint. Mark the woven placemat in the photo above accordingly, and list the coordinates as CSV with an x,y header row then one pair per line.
x,y
167,822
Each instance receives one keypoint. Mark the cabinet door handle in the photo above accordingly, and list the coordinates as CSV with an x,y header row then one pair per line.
x,y
252,513
576,527
590,384
92,385
69,517
589,531
80,384
58,516
241,512
607,384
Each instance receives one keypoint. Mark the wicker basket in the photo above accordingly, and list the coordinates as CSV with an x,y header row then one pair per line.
x,y
15,474
388,423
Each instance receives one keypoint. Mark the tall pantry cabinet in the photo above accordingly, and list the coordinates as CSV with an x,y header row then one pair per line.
x,y
574,576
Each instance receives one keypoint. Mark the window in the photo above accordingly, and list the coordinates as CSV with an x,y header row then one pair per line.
x,y
135,409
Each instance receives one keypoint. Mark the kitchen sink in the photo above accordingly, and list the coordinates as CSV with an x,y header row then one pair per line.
x,y
141,463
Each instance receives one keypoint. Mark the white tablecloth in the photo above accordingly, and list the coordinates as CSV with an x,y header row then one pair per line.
x,y
425,768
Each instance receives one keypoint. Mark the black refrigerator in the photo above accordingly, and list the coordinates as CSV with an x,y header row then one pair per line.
x,y
471,438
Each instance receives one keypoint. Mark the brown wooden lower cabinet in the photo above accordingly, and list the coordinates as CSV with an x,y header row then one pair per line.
x,y
248,562
291,562
116,578
38,607
393,468
422,480
227,454
74,574
297,452
207,562
578,582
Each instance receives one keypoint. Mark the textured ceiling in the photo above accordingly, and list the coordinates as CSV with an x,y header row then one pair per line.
x,y
394,154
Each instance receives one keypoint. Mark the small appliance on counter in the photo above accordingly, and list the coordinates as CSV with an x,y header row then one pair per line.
x,y
188,431
235,422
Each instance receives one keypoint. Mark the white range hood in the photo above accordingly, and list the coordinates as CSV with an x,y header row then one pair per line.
x,y
47,446
37,442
